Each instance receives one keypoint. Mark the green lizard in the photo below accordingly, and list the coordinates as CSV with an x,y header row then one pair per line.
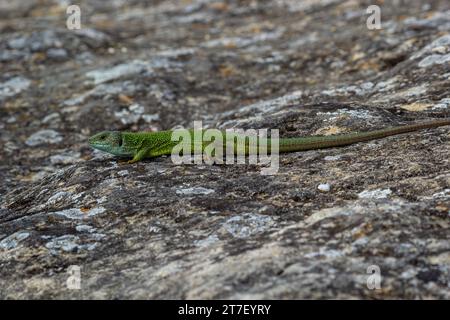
x,y
140,145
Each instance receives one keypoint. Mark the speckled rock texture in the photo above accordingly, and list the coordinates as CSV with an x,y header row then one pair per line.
x,y
155,230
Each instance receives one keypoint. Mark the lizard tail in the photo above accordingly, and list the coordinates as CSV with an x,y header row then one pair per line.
x,y
319,142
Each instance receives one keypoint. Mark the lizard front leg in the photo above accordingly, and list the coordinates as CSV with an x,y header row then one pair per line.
x,y
165,148
141,154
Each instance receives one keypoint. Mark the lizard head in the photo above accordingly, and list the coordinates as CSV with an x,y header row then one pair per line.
x,y
108,141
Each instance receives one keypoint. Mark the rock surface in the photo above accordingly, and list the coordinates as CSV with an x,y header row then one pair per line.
x,y
159,230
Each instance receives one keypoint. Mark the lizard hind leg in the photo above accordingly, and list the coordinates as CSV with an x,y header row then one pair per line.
x,y
162,150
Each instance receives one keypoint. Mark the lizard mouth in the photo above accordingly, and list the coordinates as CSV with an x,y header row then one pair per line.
x,y
94,143
99,146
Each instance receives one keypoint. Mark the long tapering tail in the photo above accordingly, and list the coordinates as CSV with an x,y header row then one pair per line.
x,y
318,142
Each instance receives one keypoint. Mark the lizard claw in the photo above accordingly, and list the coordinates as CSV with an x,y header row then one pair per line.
x,y
122,162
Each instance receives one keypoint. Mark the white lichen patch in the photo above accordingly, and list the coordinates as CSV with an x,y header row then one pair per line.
x,y
131,68
442,104
207,241
329,254
269,106
58,197
85,228
437,52
332,158
41,137
194,191
52,118
387,85
441,195
353,114
358,90
303,40
175,53
375,194
445,194
78,214
101,155
324,214
123,173
61,197
240,42
67,157
302,6
122,70
412,92
363,241
441,42
248,224
93,34
434,59
408,274
68,243
101,90
134,113
13,240
324,187
438,19
257,111
13,87
128,116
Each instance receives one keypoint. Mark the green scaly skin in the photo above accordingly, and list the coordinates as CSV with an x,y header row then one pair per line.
x,y
141,145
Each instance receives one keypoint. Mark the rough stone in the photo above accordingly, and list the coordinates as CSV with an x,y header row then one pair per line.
x,y
163,231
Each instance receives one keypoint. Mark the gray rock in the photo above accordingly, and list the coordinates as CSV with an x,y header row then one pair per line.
x,y
65,158
43,137
434,59
13,87
13,240
194,191
156,230
95,38
57,54
17,43
121,70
